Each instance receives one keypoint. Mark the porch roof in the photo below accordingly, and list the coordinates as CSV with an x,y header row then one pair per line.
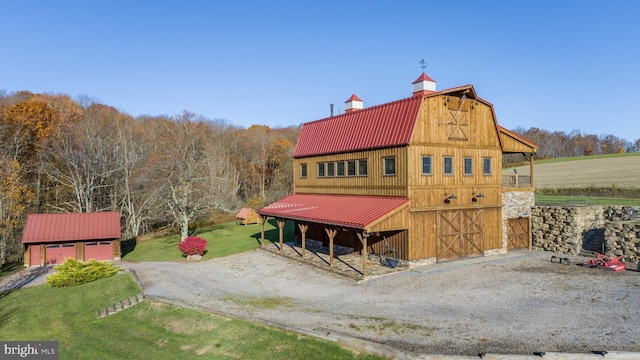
x,y
360,212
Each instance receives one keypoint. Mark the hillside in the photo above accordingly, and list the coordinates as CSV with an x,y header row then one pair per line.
x,y
622,171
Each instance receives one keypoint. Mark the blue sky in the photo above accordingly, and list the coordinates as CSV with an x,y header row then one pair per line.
x,y
556,65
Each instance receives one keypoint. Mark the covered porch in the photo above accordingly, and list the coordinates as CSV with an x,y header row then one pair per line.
x,y
333,229
513,143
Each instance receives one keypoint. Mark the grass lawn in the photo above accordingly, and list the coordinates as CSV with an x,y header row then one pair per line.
x,y
222,240
145,331
584,200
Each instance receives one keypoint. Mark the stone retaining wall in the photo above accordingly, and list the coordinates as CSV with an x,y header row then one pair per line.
x,y
564,229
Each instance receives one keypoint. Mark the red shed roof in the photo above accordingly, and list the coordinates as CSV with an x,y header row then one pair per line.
x,y
342,210
71,227
244,212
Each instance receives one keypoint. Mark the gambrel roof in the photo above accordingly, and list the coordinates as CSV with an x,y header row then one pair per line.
x,y
387,125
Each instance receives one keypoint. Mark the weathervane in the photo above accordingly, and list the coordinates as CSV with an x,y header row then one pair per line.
x,y
423,64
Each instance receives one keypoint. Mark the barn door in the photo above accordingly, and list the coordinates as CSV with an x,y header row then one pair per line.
x,y
460,234
518,233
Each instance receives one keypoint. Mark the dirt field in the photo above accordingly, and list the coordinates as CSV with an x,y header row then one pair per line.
x,y
516,305
621,171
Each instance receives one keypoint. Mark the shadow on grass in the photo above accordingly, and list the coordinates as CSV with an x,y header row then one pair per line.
x,y
273,235
127,246
22,278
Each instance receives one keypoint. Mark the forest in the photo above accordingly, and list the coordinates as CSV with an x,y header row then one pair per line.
x,y
58,154
63,155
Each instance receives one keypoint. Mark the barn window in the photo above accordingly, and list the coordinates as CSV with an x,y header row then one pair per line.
x,y
427,165
303,170
54,246
351,168
340,168
448,165
331,169
91,244
389,166
105,243
468,166
486,166
362,167
321,169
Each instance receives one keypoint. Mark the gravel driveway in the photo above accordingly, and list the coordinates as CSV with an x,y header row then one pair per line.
x,y
514,305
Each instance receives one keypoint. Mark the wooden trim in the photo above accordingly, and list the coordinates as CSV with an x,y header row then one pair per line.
x,y
303,231
331,232
263,219
281,223
363,240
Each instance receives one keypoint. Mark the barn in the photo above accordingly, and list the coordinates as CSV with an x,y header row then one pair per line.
x,y
421,174
50,239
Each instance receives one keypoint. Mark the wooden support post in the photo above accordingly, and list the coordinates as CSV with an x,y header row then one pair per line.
x,y
281,223
531,169
263,219
332,234
303,230
363,239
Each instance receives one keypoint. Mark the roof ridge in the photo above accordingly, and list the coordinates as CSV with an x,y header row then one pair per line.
x,y
359,112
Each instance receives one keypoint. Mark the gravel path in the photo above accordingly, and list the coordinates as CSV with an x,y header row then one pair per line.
x,y
516,305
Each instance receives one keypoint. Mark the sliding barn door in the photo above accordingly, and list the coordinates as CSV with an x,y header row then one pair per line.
x,y
460,234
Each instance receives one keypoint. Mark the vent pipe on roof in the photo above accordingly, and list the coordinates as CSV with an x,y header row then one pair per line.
x,y
424,85
331,106
354,103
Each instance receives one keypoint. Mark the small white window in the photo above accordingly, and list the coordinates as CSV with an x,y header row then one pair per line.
x,y
448,165
427,165
389,166
468,166
486,166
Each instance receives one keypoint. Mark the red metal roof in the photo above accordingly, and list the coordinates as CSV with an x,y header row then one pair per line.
x,y
353,97
343,210
423,77
71,227
386,125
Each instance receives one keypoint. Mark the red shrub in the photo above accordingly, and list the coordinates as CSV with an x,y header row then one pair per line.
x,y
193,245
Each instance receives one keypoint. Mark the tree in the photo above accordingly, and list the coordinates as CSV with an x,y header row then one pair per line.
x,y
15,197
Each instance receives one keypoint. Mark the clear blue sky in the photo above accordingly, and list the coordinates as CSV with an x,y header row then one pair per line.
x,y
556,65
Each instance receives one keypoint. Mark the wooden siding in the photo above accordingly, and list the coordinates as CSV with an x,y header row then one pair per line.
x,y
399,240
423,234
396,221
436,124
374,184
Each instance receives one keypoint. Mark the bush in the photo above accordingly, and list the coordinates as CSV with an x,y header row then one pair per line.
x,y
193,245
73,272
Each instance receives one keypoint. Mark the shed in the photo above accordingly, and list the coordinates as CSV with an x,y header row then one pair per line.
x,y
52,238
247,216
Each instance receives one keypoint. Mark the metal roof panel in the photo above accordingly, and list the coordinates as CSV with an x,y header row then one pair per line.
x,y
71,227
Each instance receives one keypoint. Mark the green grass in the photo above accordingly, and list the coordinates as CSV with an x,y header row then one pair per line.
x,y
589,157
544,199
148,330
222,240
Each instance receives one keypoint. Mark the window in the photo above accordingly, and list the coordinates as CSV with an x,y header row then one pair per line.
x,y
468,166
362,167
486,166
340,168
427,168
448,165
321,169
351,168
331,169
389,166
303,170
